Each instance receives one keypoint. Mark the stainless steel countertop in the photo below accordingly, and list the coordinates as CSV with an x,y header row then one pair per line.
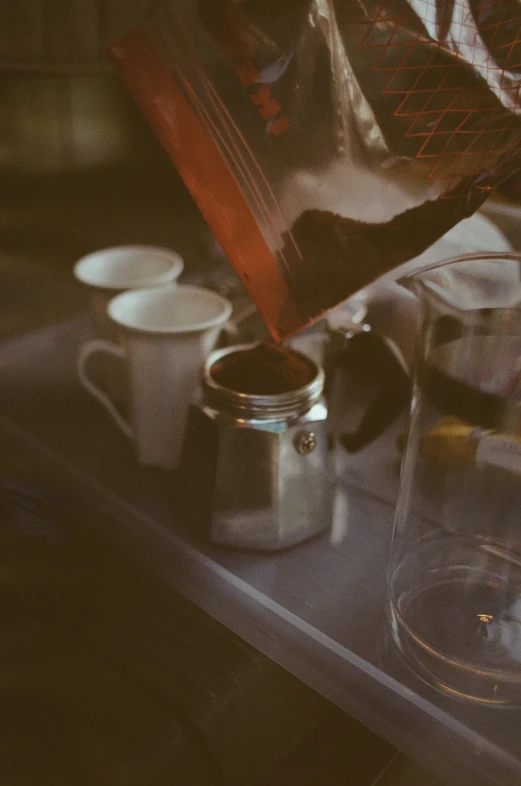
x,y
316,609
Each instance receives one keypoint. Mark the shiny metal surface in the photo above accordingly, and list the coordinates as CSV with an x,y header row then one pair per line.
x,y
305,442
253,407
255,469
315,609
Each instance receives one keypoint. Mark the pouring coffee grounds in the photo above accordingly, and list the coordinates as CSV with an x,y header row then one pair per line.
x,y
264,370
327,143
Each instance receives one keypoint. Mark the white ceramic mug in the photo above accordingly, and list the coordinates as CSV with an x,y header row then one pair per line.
x,y
108,272
165,335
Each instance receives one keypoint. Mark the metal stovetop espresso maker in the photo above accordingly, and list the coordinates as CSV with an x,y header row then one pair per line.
x,y
255,467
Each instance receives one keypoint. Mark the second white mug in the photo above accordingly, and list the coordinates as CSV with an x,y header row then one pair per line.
x,y
166,334
110,271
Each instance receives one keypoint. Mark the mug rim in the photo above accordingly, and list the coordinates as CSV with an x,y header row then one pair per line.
x,y
195,327
171,274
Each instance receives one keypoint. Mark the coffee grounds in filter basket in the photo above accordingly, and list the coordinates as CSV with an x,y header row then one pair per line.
x,y
263,370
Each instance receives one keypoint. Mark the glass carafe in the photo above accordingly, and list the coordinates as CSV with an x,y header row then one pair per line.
x,y
455,569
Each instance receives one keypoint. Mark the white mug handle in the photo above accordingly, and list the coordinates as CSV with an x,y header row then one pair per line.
x,y
91,348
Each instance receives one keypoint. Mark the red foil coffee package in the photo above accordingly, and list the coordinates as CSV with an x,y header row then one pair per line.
x,y
329,142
